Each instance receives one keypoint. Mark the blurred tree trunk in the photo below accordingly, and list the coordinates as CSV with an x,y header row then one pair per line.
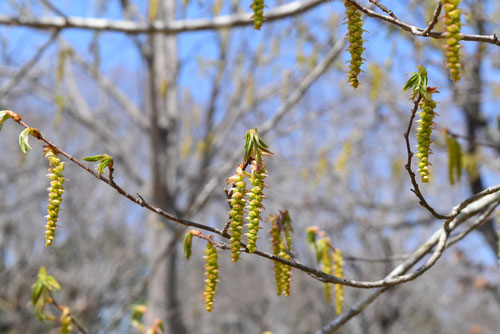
x,y
475,120
161,60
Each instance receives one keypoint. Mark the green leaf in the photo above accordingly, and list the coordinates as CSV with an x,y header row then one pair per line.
x,y
3,117
39,310
52,284
418,82
42,272
24,140
411,82
104,159
254,145
36,292
188,242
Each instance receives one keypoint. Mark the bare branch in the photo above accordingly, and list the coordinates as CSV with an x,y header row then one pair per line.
x,y
492,39
384,8
174,27
434,20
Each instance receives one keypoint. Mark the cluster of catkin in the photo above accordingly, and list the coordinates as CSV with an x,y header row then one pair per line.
x,y
452,35
355,38
454,158
330,260
211,274
251,200
258,13
56,191
281,247
424,130
237,211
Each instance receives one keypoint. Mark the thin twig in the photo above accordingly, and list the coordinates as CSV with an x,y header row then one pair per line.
x,y
470,139
384,8
52,7
434,20
416,188
52,301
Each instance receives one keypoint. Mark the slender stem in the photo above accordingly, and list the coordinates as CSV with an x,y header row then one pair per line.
x,y
434,20
52,301
416,188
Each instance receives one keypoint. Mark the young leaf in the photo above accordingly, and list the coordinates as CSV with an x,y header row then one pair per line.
x,y
104,161
36,292
24,140
254,146
188,242
311,236
52,284
3,117
418,82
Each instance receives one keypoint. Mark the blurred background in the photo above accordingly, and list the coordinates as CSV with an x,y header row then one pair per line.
x,y
172,109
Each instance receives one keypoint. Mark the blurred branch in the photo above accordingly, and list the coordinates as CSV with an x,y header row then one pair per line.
x,y
29,64
82,113
286,107
128,106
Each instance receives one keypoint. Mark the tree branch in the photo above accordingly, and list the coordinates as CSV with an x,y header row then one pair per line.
x,y
174,27
414,30
459,214
357,308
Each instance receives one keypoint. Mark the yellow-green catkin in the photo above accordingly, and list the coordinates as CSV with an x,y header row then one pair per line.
x,y
452,35
454,159
424,131
355,37
56,191
326,266
211,274
237,211
338,263
258,13
255,197
286,271
277,246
